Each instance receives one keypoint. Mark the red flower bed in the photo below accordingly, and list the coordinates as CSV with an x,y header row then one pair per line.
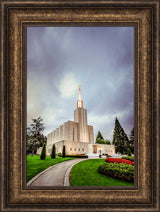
x,y
119,160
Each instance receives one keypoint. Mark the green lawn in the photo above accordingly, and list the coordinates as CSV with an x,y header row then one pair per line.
x,y
86,173
35,165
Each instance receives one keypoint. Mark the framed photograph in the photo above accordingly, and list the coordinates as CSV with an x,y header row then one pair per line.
x,y
101,59
76,78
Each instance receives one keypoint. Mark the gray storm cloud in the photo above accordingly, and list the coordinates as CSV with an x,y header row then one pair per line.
x,y
101,59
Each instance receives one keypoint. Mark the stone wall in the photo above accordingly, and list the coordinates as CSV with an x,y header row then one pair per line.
x,y
68,131
72,147
90,134
80,116
75,148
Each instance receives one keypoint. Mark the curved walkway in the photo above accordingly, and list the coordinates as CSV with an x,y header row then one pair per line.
x,y
57,175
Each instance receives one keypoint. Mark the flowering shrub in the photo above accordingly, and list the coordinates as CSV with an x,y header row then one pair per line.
x,y
119,160
120,171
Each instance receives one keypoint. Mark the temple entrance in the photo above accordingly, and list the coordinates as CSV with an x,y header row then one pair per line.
x,y
95,150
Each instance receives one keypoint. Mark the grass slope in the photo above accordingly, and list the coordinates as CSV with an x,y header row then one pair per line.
x,y
35,165
86,173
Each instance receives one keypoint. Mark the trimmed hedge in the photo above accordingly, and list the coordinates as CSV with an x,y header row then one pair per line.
x,y
77,156
53,155
128,158
120,171
43,153
59,154
64,152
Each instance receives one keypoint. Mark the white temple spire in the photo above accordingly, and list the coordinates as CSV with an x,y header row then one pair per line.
x,y
79,92
79,102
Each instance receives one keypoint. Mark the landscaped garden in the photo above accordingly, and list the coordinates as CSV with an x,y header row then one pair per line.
x,y
118,168
35,165
94,172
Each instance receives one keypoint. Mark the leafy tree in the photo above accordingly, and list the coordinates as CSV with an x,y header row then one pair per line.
x,y
99,135
129,152
120,138
99,141
43,153
102,141
64,152
43,139
37,127
32,144
35,131
53,155
29,132
131,140
107,142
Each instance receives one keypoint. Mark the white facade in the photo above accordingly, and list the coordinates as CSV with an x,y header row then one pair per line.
x,y
77,136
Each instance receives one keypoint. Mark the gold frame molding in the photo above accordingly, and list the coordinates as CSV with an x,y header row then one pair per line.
x,y
16,16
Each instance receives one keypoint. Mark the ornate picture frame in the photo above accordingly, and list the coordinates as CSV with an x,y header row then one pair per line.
x,y
16,16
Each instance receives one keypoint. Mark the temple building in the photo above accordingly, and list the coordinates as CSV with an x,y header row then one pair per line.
x,y
77,136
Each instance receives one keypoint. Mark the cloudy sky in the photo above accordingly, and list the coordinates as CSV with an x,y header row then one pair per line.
x,y
101,59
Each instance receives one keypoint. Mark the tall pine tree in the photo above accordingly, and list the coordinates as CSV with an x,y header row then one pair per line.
x,y
120,139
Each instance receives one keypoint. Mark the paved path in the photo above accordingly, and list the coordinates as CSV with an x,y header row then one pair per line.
x,y
56,175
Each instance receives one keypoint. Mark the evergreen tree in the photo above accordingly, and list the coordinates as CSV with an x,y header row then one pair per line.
x,y
53,155
129,152
131,140
43,153
64,152
120,139
99,135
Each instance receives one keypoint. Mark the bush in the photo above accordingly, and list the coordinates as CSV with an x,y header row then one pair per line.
x,y
53,155
128,158
64,152
107,142
118,160
43,153
129,152
102,141
59,154
120,171
77,156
